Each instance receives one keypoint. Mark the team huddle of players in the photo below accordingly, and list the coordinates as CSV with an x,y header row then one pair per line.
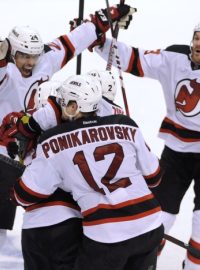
x,y
95,196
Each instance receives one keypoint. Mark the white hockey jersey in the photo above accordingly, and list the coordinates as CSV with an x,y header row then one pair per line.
x,y
61,207
50,115
180,80
103,161
18,93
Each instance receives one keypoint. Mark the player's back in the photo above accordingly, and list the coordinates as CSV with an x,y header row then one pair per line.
x,y
100,160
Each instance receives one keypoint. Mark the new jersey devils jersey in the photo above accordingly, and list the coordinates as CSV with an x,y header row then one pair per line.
x,y
17,93
180,80
50,115
104,162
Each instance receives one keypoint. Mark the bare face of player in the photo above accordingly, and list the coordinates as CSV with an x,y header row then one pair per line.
x,y
196,48
25,63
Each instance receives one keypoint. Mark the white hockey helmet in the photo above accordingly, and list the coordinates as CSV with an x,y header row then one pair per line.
x,y
44,90
26,40
197,28
83,89
108,83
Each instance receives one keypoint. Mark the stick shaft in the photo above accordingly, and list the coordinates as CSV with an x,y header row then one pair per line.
x,y
80,16
193,251
114,51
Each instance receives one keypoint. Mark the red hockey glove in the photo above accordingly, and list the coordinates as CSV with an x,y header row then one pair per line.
x,y
99,42
100,19
17,135
9,125
27,133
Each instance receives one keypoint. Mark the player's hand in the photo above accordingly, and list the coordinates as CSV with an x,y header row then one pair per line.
x,y
100,18
9,127
99,42
16,136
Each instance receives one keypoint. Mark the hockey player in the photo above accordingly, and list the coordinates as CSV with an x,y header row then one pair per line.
x,y
51,115
55,222
26,62
177,68
59,213
104,162
109,90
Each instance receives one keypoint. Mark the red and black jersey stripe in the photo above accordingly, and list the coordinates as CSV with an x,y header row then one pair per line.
x,y
25,195
135,66
153,179
59,197
190,256
181,133
126,211
56,107
69,49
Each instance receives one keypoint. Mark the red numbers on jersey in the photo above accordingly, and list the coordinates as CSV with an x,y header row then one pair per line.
x,y
99,154
152,51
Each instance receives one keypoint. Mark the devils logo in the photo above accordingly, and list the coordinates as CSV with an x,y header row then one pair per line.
x,y
29,102
187,96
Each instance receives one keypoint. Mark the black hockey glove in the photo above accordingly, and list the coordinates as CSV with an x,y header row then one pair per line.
x,y
100,18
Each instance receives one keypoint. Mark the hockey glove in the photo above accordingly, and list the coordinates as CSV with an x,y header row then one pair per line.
x,y
125,21
99,42
26,135
9,125
5,51
100,18
75,23
16,128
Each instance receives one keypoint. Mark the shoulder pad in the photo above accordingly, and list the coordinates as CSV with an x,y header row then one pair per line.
x,y
184,49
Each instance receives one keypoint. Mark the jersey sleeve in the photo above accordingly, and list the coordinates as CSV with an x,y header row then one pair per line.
x,y
82,36
64,48
48,116
136,61
147,162
123,50
38,182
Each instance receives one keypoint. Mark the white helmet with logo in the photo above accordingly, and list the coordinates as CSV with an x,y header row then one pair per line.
x,y
108,83
46,89
83,89
26,40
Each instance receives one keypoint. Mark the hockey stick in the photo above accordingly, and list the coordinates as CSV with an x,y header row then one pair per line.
x,y
115,33
192,250
114,50
80,18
